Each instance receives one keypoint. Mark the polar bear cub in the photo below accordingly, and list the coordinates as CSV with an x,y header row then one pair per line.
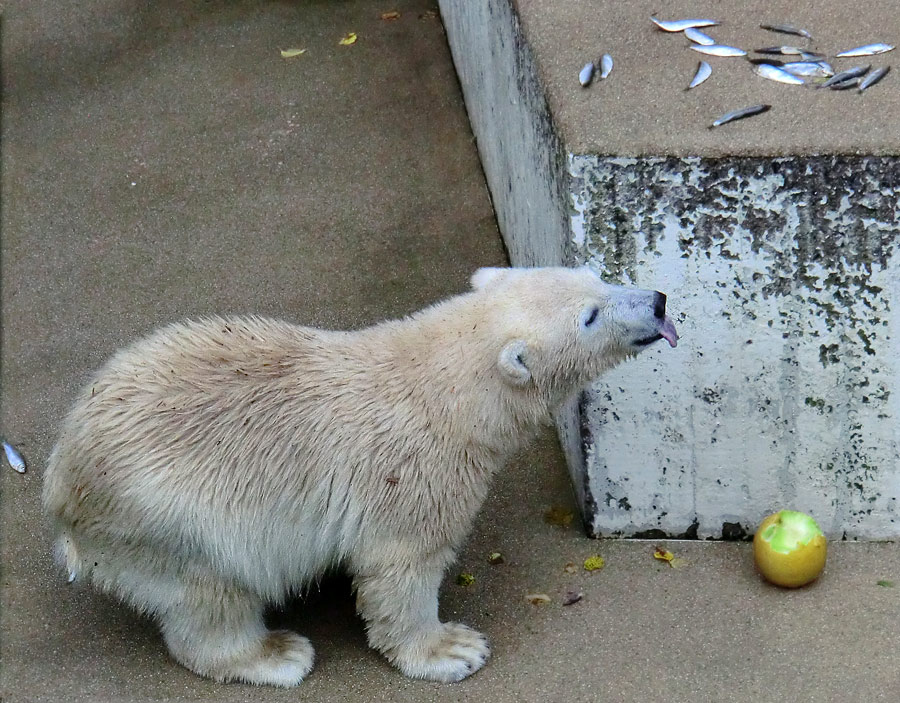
x,y
223,464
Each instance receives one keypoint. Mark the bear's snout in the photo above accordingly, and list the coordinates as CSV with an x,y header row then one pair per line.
x,y
645,328
659,305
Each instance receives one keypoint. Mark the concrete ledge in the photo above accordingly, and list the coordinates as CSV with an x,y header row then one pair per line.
x,y
642,109
775,241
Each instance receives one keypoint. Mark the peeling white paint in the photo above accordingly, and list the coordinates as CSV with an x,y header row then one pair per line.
x,y
779,393
578,205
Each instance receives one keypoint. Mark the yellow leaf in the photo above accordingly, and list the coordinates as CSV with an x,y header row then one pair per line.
x,y
465,579
291,53
389,16
558,516
537,598
594,563
663,555
348,40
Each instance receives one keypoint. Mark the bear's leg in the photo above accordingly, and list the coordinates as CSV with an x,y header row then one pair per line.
x,y
400,607
217,630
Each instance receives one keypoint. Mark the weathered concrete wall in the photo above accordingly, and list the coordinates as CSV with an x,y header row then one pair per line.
x,y
781,272
523,160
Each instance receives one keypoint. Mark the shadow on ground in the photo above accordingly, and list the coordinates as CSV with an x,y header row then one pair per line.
x,y
161,161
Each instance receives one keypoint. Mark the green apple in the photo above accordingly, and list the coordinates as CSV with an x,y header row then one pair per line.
x,y
789,549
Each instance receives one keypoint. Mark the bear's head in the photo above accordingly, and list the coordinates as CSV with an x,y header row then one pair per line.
x,y
557,329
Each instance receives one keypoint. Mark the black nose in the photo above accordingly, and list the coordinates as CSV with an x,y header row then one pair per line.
x,y
659,305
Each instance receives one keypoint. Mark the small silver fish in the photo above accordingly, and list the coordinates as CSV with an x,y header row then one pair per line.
x,y
809,69
740,114
606,65
703,72
854,72
71,577
867,50
787,29
789,51
845,84
718,50
776,73
873,78
14,458
681,25
586,75
698,37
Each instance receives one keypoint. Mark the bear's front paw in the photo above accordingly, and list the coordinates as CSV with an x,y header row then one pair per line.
x,y
284,659
450,653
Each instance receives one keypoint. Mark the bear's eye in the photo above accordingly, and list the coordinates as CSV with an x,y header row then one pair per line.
x,y
590,316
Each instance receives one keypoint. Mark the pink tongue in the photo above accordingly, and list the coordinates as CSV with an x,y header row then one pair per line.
x,y
668,331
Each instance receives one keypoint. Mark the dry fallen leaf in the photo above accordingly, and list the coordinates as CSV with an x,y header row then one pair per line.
x,y
465,579
495,558
663,555
537,598
572,597
428,15
291,53
556,515
594,563
348,40
390,16
570,568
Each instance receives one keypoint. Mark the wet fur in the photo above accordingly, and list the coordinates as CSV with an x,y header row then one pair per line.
x,y
222,464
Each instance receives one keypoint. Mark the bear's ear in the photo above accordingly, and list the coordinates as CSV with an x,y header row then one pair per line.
x,y
512,364
484,276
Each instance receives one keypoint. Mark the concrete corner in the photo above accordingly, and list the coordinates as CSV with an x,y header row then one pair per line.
x,y
774,238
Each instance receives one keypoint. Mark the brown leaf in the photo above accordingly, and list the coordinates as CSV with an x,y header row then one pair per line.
x,y
390,16
572,597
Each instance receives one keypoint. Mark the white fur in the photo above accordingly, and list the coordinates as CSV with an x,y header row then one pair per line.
x,y
221,464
